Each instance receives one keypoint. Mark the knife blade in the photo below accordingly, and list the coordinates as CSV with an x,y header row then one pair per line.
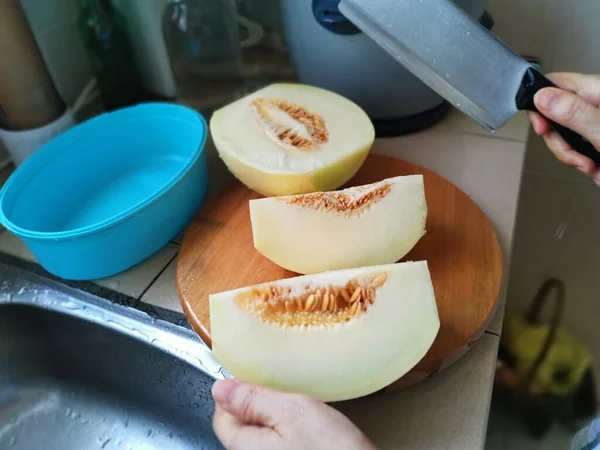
x,y
458,58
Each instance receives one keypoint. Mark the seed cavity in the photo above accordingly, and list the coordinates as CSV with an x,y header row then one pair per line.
x,y
290,125
361,198
313,307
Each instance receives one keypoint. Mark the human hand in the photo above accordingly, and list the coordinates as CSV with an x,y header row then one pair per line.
x,y
251,417
576,105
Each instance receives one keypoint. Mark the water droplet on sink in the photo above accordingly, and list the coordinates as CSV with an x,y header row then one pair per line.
x,y
139,334
71,306
148,433
12,441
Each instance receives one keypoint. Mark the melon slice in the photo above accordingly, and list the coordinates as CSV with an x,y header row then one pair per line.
x,y
335,335
291,138
356,227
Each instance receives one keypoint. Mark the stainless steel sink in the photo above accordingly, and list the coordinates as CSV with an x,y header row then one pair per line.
x,y
79,372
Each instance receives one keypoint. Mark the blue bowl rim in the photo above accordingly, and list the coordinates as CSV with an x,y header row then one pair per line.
x,y
122,216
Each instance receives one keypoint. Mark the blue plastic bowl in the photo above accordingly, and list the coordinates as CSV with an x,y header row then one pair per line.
x,y
107,194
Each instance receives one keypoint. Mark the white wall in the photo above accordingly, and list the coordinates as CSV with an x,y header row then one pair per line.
x,y
558,223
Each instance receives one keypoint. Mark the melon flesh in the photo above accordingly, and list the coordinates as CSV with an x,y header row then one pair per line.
x,y
329,360
291,138
356,227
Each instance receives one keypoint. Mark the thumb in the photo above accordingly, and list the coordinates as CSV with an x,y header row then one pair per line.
x,y
249,403
570,110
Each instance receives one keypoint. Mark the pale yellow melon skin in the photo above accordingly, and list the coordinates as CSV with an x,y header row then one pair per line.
x,y
273,184
342,159
338,362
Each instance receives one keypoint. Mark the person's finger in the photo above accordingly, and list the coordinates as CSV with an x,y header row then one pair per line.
x,y
565,154
585,86
234,434
540,124
571,111
226,426
251,404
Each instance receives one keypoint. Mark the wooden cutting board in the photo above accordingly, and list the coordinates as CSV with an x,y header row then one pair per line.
x,y
461,247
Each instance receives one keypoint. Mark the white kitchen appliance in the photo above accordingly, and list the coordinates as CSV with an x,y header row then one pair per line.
x,y
328,51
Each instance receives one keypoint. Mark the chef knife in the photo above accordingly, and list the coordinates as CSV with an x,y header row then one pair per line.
x,y
458,58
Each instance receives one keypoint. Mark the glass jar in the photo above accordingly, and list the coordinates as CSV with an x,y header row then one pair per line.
x,y
265,54
203,42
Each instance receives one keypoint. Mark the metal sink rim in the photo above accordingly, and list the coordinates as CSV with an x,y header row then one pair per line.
x,y
19,286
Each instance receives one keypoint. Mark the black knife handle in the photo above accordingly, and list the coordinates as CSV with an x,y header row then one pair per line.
x,y
533,81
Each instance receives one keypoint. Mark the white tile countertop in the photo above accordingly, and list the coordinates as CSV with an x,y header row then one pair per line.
x,y
450,410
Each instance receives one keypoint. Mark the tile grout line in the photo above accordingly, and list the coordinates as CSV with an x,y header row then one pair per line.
x,y
158,276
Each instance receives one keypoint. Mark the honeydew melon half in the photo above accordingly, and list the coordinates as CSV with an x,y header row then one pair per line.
x,y
334,336
292,138
360,226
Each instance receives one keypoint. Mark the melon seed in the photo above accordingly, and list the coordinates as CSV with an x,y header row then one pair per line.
x,y
355,295
378,282
345,295
325,303
310,303
354,309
